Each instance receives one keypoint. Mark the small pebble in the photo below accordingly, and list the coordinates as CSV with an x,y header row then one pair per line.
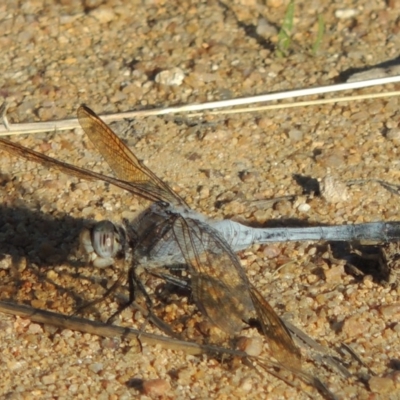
x,y
35,329
264,28
346,13
381,385
393,134
271,251
246,385
274,3
355,326
393,4
103,14
334,274
91,4
390,310
171,77
333,190
252,346
247,176
368,281
96,367
48,379
295,135
155,387
304,207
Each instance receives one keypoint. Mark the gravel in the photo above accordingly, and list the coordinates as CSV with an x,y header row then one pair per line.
x,y
56,55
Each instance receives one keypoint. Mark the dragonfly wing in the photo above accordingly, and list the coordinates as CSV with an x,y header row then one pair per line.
x,y
222,291
122,161
16,149
218,282
281,342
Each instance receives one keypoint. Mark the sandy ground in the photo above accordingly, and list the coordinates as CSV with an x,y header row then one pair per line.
x,y
56,55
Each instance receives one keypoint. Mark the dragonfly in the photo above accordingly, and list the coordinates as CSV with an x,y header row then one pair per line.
x,y
169,233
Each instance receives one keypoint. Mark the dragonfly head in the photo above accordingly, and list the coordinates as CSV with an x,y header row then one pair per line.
x,y
106,239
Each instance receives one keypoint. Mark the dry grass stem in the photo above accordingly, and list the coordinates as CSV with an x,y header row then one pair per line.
x,y
67,124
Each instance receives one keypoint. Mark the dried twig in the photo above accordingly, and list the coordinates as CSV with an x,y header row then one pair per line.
x,y
106,330
51,126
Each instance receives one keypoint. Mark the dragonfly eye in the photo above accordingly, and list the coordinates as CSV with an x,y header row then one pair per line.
x,y
105,239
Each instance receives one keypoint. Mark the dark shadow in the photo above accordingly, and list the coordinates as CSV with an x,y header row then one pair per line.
x,y
37,242
336,326
308,184
135,383
250,30
361,260
345,75
395,364
39,238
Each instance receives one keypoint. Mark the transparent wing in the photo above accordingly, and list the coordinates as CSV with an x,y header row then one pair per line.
x,y
31,155
131,174
222,291
281,342
122,161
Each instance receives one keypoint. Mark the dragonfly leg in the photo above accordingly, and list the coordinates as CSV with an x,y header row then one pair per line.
x,y
132,282
136,284
181,283
92,303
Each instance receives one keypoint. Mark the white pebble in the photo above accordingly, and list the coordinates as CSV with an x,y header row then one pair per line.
x,y
170,77
103,14
304,207
35,329
264,28
333,190
346,13
252,346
